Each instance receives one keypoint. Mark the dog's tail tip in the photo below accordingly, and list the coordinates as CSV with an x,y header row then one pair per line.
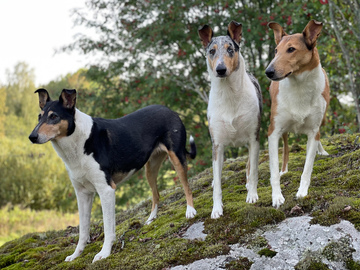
x,y
192,153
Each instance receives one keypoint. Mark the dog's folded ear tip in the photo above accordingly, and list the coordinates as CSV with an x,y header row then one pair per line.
x,y
236,23
317,22
202,27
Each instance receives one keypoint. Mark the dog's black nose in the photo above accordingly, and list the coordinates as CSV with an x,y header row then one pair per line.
x,y
33,137
221,70
270,72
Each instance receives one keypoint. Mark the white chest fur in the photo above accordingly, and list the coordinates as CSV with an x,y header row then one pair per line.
x,y
80,167
301,106
232,109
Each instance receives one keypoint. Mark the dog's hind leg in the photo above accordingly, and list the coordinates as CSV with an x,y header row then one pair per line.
x,y
152,169
84,201
218,161
181,169
251,185
284,168
107,198
320,150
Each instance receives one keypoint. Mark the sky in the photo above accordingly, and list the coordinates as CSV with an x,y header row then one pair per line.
x,y
31,31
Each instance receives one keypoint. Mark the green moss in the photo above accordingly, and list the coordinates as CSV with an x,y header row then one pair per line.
x,y
311,261
340,250
160,245
267,252
239,264
352,265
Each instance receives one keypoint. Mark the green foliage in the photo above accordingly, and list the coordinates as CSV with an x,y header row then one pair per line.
x,y
34,176
3,110
152,54
19,93
16,221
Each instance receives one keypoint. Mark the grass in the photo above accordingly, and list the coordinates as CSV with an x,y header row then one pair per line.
x,y
333,195
16,221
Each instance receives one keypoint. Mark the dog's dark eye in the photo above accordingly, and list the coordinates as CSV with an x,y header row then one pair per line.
x,y
212,51
53,116
230,50
290,50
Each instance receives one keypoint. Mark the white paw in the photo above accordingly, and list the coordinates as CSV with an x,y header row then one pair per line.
x,y
283,172
73,256
322,153
217,211
302,192
190,212
101,255
252,197
69,258
277,200
152,215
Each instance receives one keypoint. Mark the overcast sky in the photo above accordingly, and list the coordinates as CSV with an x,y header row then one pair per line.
x,y
30,32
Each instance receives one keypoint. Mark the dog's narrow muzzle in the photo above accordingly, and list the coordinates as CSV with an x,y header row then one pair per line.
x,y
33,137
221,70
270,72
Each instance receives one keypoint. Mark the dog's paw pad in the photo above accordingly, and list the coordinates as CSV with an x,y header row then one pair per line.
x,y
278,200
217,212
301,194
190,211
252,197
101,255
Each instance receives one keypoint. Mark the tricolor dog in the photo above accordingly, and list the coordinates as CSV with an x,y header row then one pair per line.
x,y
100,153
300,95
234,109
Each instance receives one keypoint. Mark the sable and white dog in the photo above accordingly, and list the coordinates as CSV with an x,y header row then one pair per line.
x,y
100,153
234,109
300,95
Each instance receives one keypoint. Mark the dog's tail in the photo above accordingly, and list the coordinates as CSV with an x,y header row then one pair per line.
x,y
192,153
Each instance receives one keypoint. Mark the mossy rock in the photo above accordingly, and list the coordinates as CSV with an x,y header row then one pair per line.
x,y
333,195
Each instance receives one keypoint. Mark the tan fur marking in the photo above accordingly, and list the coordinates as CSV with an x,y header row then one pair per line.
x,y
302,59
54,131
182,173
317,137
274,91
112,184
326,95
118,177
151,170
231,63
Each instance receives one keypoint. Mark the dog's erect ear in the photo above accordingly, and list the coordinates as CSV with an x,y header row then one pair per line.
x,y
278,31
68,98
205,34
44,97
235,31
311,33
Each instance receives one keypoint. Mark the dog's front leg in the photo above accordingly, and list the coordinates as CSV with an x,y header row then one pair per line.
x,y
107,197
311,148
277,197
251,185
218,160
84,200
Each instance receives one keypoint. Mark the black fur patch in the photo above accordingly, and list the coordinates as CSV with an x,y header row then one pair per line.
x,y
125,144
